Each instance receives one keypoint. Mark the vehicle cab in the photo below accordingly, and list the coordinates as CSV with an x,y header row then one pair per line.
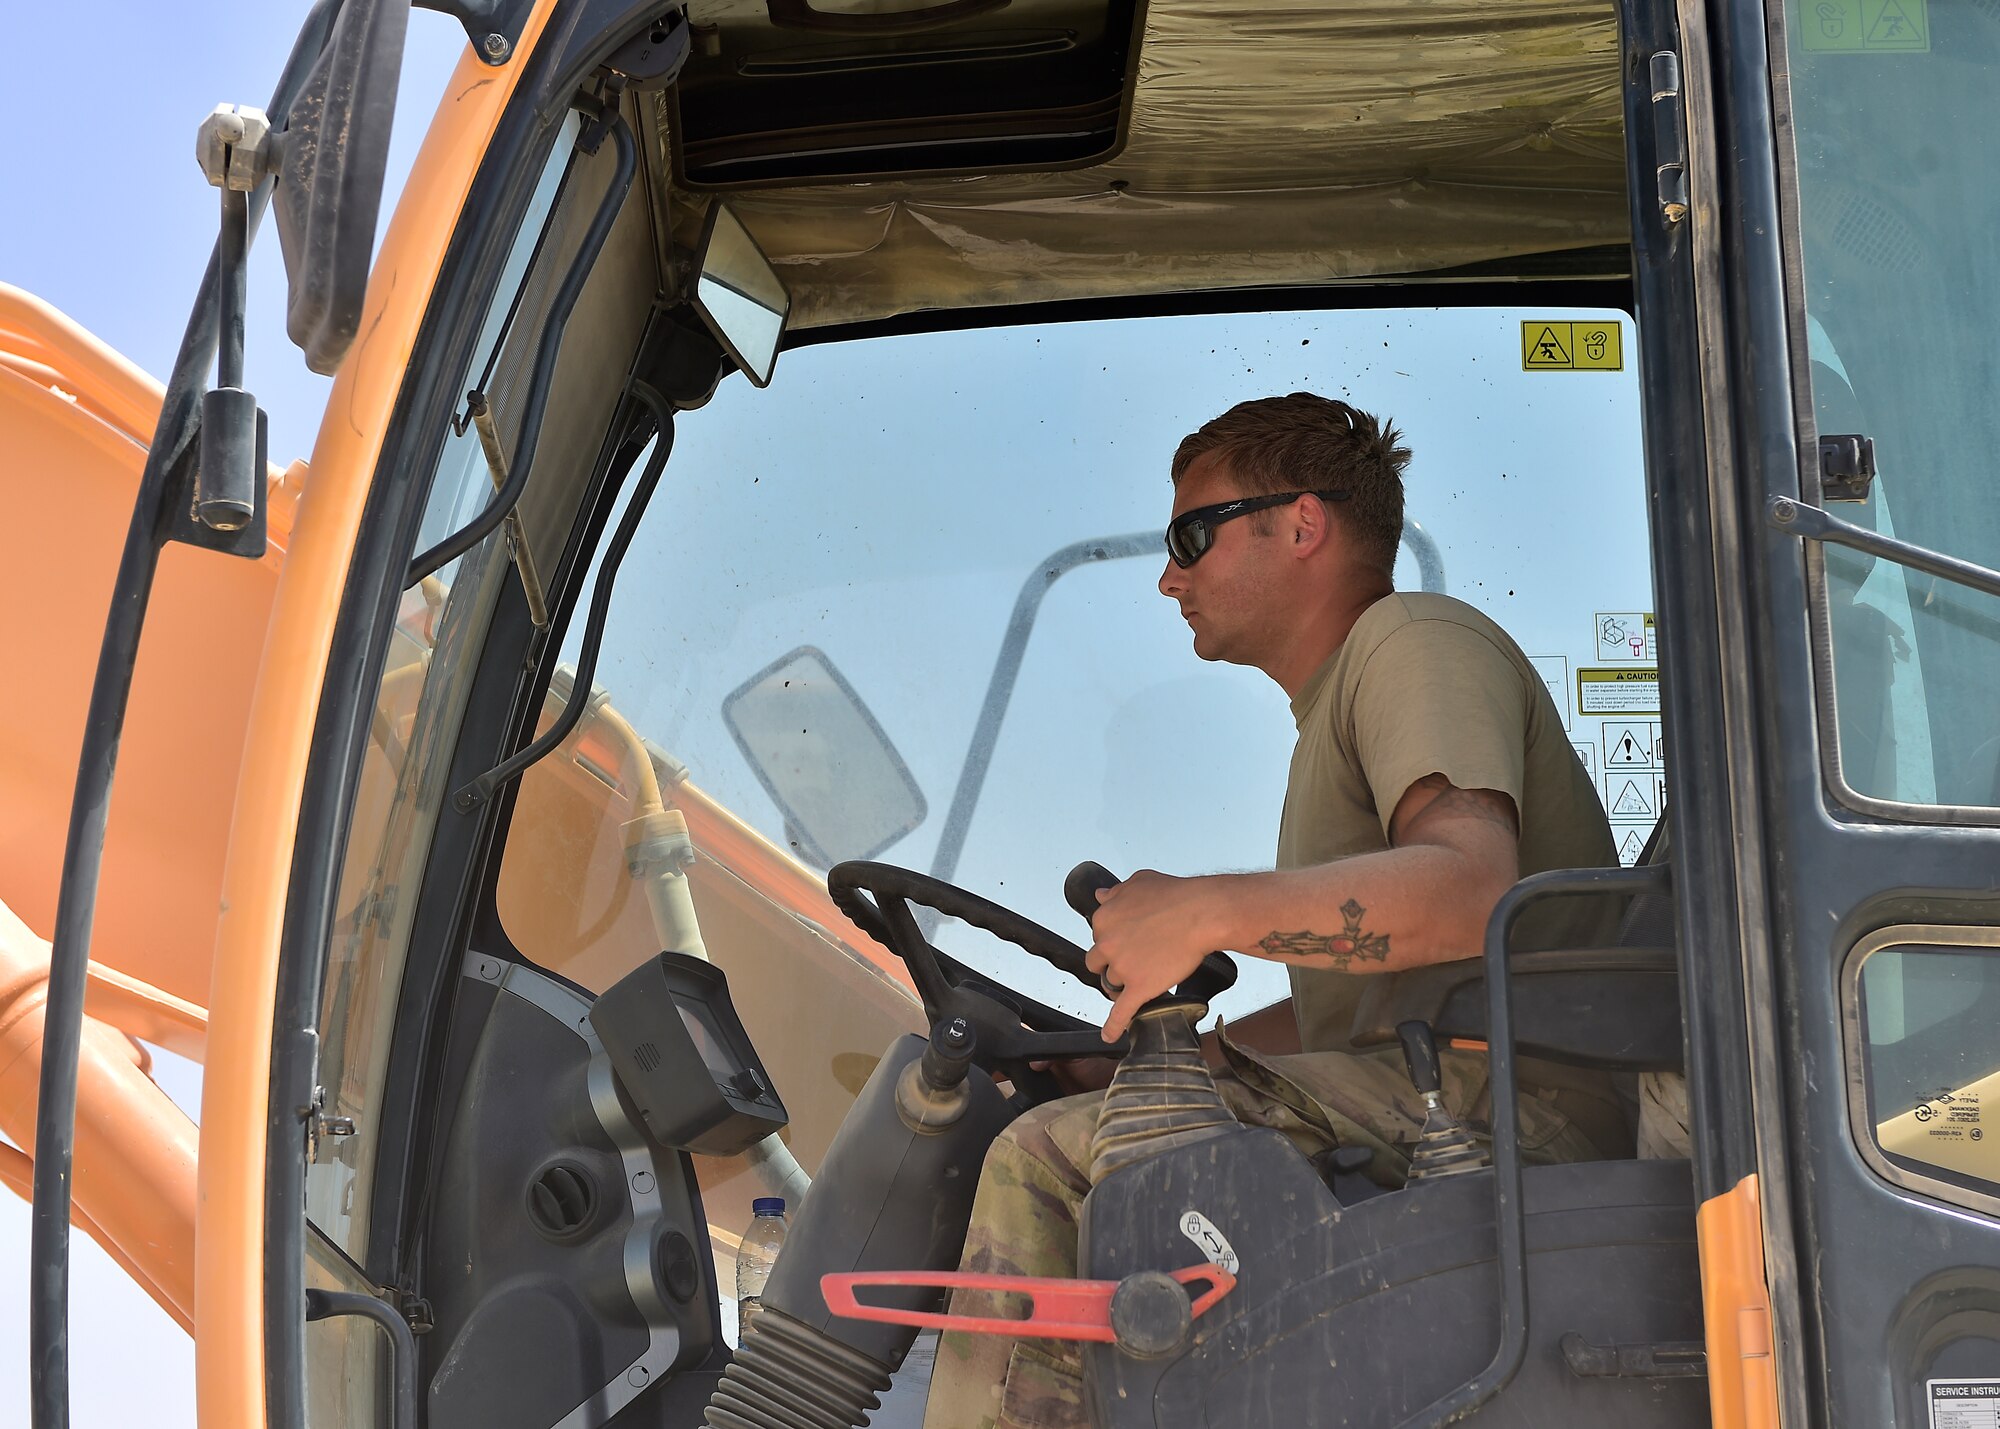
x,y
736,531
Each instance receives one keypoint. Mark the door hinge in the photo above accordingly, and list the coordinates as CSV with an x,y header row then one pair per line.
x,y
1670,147
1846,467
319,1124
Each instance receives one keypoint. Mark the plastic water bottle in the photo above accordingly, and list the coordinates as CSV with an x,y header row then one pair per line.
x,y
756,1256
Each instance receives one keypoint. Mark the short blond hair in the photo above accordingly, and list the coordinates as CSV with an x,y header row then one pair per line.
x,y
1306,442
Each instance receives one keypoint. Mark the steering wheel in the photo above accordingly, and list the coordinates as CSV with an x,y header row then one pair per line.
x,y
1010,1030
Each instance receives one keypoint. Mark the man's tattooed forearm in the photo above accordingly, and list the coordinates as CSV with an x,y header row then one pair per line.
x,y
1339,950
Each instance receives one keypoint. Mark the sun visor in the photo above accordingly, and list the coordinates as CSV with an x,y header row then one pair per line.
x,y
1264,145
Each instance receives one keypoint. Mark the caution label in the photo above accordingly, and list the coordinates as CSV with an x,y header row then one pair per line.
x,y
1617,692
1628,745
1866,26
1549,346
1629,798
1964,1403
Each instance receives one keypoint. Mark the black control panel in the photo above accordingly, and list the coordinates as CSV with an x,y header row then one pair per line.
x,y
683,1057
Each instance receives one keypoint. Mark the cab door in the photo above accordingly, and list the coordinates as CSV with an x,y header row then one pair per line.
x,y
1819,369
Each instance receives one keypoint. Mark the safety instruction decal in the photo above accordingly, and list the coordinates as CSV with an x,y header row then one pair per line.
x,y
1617,692
1865,26
1626,635
1548,346
1212,1243
1964,1403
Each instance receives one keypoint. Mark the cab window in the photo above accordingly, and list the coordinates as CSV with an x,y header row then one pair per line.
x,y
903,605
1896,214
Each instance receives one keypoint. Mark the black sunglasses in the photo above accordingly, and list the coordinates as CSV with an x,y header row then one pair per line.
x,y
1190,534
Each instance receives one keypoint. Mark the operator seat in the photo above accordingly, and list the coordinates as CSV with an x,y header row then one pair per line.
x,y
1617,1007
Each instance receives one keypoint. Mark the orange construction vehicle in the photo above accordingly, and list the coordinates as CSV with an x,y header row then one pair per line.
x,y
549,813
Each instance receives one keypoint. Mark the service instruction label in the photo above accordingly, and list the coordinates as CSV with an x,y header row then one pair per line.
x,y
1964,1403
1617,692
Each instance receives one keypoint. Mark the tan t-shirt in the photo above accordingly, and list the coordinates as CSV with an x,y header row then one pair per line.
x,y
1425,684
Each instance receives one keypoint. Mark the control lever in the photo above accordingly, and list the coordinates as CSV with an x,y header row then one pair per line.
x,y
1217,973
1080,891
1445,1147
931,1093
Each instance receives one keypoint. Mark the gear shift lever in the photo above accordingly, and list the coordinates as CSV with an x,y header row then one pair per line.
x,y
1445,1148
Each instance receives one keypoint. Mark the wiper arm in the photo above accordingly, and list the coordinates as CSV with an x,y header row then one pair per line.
x,y
1811,523
548,344
481,412
483,788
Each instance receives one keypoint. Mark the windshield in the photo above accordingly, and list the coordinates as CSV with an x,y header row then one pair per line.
x,y
1898,220
903,605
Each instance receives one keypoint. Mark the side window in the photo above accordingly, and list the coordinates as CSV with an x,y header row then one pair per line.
x,y
961,531
1920,1008
1896,218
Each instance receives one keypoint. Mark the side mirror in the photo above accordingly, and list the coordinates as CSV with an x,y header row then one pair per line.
x,y
842,787
738,293
331,164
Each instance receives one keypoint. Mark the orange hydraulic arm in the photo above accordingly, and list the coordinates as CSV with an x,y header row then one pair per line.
x,y
135,1150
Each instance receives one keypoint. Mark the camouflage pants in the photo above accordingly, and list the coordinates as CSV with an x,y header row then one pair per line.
x,y
1024,1218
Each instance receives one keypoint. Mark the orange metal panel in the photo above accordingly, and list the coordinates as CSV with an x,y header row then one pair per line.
x,y
229,1273
1736,1307
76,419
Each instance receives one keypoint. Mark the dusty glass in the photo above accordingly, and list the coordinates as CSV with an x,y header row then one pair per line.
x,y
1898,221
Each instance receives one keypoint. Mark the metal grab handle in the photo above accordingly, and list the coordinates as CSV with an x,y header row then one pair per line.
x,y
326,1304
1510,1219
1810,523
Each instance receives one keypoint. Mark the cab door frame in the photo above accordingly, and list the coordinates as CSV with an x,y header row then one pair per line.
x,y
447,242
1705,256
1777,883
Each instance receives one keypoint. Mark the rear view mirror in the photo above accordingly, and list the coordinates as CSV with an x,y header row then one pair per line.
x,y
842,787
331,165
739,295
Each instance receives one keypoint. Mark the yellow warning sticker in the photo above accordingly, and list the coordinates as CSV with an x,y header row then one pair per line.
x,y
1865,26
1548,346
1615,692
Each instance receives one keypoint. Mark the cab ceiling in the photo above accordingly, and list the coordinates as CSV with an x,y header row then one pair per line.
x,y
1267,145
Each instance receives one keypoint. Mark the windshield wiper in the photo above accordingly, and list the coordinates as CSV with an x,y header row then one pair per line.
x,y
548,344
478,791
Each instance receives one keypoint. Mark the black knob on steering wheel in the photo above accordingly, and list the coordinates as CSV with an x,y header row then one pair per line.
x,y
1217,972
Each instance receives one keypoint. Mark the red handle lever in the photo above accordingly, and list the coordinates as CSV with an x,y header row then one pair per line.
x,y
1058,1309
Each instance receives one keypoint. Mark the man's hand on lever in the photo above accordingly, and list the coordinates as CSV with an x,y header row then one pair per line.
x,y
1425,899
1152,931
